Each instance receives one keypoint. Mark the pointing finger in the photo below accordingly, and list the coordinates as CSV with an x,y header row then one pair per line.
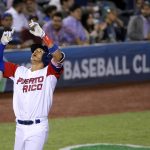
x,y
13,30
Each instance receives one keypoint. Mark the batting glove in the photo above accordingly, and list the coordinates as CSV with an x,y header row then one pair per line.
x,y
7,37
35,29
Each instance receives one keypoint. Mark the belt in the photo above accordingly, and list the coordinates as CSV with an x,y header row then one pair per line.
x,y
28,122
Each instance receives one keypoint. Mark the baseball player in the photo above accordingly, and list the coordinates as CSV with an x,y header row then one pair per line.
x,y
33,89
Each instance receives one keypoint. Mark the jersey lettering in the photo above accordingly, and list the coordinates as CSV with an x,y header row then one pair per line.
x,y
30,80
34,87
31,84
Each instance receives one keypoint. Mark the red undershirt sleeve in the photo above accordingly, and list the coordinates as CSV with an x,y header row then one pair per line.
x,y
9,69
53,70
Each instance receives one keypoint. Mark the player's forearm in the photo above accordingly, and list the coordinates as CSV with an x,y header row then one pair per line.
x,y
53,48
48,41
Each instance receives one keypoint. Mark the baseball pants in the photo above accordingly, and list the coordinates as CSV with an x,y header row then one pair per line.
x,y
31,137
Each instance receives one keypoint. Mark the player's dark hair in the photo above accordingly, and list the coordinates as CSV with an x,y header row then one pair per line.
x,y
57,14
17,2
35,46
74,7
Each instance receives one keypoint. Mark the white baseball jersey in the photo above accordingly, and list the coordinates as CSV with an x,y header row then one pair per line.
x,y
33,91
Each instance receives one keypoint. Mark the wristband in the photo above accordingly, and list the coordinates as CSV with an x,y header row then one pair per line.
x,y
53,48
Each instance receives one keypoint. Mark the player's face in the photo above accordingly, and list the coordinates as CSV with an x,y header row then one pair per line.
x,y
37,55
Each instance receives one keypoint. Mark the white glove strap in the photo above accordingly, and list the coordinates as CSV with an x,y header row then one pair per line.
x,y
43,34
4,43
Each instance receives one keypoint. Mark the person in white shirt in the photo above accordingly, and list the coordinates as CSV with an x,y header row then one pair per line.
x,y
19,19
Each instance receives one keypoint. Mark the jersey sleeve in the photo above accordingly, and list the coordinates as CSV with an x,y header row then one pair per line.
x,y
55,70
9,69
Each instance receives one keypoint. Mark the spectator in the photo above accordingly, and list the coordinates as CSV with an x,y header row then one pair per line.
x,y
49,11
8,3
88,23
2,7
6,23
33,10
139,25
138,6
17,13
66,4
59,33
112,27
73,21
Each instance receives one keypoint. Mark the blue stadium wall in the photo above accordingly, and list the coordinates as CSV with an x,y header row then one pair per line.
x,y
94,64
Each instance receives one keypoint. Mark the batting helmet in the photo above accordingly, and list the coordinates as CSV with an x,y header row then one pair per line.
x,y
46,57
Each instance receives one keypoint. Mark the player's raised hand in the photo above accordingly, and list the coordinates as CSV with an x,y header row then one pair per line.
x,y
7,36
35,29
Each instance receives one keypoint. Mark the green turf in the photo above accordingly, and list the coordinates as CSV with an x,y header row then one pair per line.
x,y
109,147
126,128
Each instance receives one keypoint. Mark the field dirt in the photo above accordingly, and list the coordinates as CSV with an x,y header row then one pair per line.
x,y
104,99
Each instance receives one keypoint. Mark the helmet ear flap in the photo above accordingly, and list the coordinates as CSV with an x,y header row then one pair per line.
x,y
46,59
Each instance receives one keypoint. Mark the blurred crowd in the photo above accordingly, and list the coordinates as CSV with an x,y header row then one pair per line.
x,y
76,22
